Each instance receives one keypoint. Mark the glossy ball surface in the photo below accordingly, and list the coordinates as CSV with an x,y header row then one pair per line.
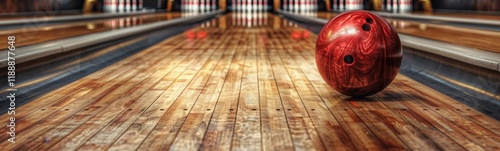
x,y
358,53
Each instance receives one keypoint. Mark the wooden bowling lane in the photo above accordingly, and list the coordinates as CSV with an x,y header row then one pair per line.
x,y
39,33
468,37
229,87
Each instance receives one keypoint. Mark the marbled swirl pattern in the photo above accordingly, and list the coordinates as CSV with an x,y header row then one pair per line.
x,y
358,53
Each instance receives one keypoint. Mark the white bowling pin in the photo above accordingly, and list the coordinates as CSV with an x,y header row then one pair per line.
x,y
120,6
127,6
388,5
405,5
261,4
202,5
248,5
341,5
114,6
315,5
348,4
207,5
265,4
196,6
308,5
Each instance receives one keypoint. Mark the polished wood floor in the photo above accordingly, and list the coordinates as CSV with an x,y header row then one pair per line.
x,y
246,87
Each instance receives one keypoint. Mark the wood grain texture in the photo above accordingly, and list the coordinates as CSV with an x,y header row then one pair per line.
x,y
241,88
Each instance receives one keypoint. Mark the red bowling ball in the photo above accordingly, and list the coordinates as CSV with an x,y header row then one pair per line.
x,y
358,53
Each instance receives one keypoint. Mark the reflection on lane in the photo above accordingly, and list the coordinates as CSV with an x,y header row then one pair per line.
x,y
474,38
267,24
37,33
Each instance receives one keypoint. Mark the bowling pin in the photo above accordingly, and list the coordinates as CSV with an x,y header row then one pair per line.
x,y
242,5
248,5
264,3
341,5
196,6
315,6
388,5
349,4
206,6
249,8
255,5
405,5
127,6
302,6
113,4
183,6
140,5
191,6
309,5
214,4
237,5
260,5
334,5
395,6
202,5
120,6
134,5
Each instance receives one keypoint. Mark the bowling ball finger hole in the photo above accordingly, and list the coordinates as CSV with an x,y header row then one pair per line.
x,y
348,59
366,27
369,20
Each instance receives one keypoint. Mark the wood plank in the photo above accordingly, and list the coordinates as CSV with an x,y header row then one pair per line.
x,y
332,134
191,136
352,125
292,103
142,127
61,130
60,113
275,130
